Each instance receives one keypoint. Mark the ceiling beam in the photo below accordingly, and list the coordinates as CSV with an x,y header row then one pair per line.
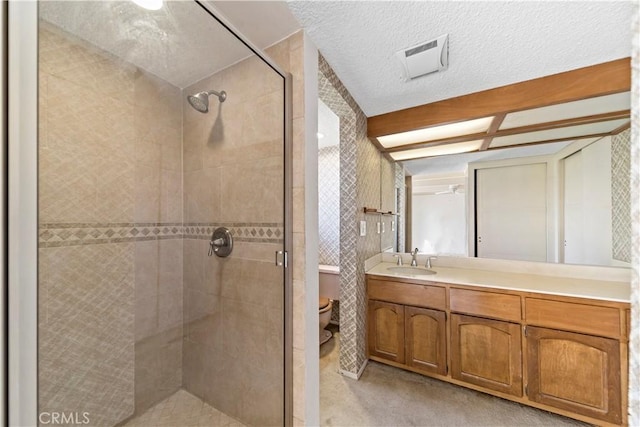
x,y
621,128
506,147
559,124
597,80
495,125
548,141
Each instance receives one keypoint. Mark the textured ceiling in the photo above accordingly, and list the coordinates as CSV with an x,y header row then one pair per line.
x,y
179,43
261,22
491,44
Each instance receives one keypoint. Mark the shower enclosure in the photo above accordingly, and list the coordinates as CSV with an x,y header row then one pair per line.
x,y
155,129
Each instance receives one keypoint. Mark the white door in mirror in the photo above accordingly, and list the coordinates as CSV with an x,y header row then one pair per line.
x,y
512,212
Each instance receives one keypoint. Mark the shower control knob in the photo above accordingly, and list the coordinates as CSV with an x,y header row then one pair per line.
x,y
221,242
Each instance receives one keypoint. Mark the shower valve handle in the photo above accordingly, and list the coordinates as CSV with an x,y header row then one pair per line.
x,y
221,243
214,245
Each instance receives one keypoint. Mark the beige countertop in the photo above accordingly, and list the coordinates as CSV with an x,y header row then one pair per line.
x,y
564,286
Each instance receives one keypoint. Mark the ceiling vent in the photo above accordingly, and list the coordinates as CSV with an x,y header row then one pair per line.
x,y
425,58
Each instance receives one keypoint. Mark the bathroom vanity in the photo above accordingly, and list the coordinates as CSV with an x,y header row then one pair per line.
x,y
555,343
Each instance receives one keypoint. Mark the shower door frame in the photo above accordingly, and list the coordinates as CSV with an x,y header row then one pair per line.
x,y
288,206
20,169
21,116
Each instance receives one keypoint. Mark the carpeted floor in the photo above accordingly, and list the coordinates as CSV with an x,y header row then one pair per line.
x,y
388,396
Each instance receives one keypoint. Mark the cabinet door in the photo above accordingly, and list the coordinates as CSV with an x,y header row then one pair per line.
x,y
576,372
487,353
386,330
425,340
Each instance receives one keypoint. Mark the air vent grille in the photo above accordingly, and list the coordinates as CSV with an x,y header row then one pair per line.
x,y
422,48
425,58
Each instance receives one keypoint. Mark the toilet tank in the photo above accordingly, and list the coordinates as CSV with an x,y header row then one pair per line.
x,y
329,278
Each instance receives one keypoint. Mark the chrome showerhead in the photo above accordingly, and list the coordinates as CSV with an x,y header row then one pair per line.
x,y
200,101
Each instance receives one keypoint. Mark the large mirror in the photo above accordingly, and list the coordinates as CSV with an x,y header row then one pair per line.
x,y
558,202
551,184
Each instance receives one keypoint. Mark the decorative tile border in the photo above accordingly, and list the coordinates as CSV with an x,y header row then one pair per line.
x,y
269,232
74,234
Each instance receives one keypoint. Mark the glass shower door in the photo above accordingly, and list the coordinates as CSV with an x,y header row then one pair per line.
x,y
141,159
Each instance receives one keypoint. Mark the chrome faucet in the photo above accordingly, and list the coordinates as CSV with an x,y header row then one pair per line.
x,y
414,261
429,258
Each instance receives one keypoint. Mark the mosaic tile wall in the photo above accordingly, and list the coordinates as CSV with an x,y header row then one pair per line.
x,y
360,179
634,345
329,205
621,195
349,295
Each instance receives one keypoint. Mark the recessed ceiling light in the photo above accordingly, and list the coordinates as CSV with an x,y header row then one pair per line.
x,y
320,135
438,150
149,4
437,132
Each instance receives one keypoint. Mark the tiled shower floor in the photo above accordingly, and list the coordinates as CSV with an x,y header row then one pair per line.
x,y
182,409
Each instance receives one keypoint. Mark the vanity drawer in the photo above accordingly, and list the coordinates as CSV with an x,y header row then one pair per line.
x,y
589,319
407,294
487,304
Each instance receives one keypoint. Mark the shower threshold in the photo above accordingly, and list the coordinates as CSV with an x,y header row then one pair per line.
x,y
183,409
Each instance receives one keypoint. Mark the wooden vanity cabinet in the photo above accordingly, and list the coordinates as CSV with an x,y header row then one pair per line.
x,y
426,340
567,355
407,325
575,372
386,330
487,353
574,356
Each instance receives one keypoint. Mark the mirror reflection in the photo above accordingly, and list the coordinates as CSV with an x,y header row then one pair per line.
x,y
556,202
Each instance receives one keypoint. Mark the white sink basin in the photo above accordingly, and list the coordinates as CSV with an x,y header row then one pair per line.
x,y
414,271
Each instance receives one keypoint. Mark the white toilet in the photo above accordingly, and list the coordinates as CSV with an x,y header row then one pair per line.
x,y
329,279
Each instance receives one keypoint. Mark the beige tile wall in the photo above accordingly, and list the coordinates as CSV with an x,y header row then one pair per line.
x,y
289,55
110,295
233,307
85,333
113,214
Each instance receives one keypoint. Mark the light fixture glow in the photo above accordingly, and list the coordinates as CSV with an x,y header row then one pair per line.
x,y
149,4
320,135
439,150
437,132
